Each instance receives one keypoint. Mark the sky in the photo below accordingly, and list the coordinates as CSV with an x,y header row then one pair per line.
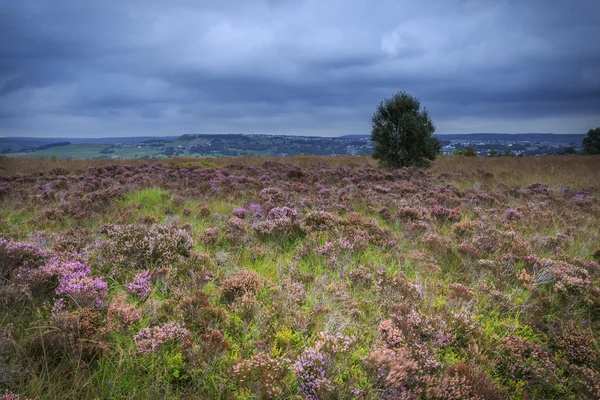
x,y
78,68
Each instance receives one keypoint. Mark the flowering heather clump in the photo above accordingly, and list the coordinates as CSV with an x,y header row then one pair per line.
x,y
313,367
4,189
333,343
577,344
439,244
568,278
150,340
204,211
512,214
445,214
19,254
410,213
280,222
13,396
417,327
319,221
460,292
242,282
211,235
294,290
362,276
325,248
254,210
198,313
141,285
468,249
311,371
121,315
272,195
235,231
395,288
76,281
214,342
241,213
527,360
261,373
142,245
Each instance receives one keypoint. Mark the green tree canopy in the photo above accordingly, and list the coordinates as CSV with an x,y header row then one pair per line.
x,y
402,133
591,144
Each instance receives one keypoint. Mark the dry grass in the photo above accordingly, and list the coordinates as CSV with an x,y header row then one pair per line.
x,y
575,171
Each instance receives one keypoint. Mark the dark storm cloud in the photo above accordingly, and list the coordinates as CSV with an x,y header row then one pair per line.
x,y
123,67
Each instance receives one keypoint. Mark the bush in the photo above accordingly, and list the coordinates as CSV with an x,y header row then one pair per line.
x,y
402,133
466,152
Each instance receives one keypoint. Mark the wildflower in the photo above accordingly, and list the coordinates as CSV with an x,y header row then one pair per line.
x,y
325,248
121,315
241,213
311,370
141,285
512,214
150,340
77,282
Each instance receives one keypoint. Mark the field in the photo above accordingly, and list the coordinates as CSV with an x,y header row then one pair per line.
x,y
300,277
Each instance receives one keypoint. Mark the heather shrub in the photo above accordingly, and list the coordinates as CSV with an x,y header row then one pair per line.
x,y
236,231
578,344
524,360
75,281
15,255
141,284
151,340
261,374
242,282
67,335
568,279
281,222
139,245
319,221
121,315
314,367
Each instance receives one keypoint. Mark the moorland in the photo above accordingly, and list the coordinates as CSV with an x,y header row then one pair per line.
x,y
300,277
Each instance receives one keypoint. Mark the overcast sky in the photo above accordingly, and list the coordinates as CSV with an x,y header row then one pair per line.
x,y
309,67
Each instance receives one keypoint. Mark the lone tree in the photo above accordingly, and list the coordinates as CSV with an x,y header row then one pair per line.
x,y
402,133
591,144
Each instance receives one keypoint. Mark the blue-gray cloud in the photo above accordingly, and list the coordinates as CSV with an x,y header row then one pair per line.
x,y
131,67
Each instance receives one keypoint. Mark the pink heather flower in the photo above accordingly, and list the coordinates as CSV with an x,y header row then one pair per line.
x,y
75,280
512,214
346,244
141,285
255,210
150,340
240,212
311,370
19,254
58,307
326,247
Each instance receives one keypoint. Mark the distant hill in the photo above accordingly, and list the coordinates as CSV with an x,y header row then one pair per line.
x,y
220,145
33,142
515,137
500,137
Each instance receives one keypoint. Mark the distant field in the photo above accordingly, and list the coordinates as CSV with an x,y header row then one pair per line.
x,y
300,278
576,171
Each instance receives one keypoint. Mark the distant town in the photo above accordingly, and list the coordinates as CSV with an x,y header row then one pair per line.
x,y
233,145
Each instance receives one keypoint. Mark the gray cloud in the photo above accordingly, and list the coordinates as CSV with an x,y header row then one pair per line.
x,y
131,67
